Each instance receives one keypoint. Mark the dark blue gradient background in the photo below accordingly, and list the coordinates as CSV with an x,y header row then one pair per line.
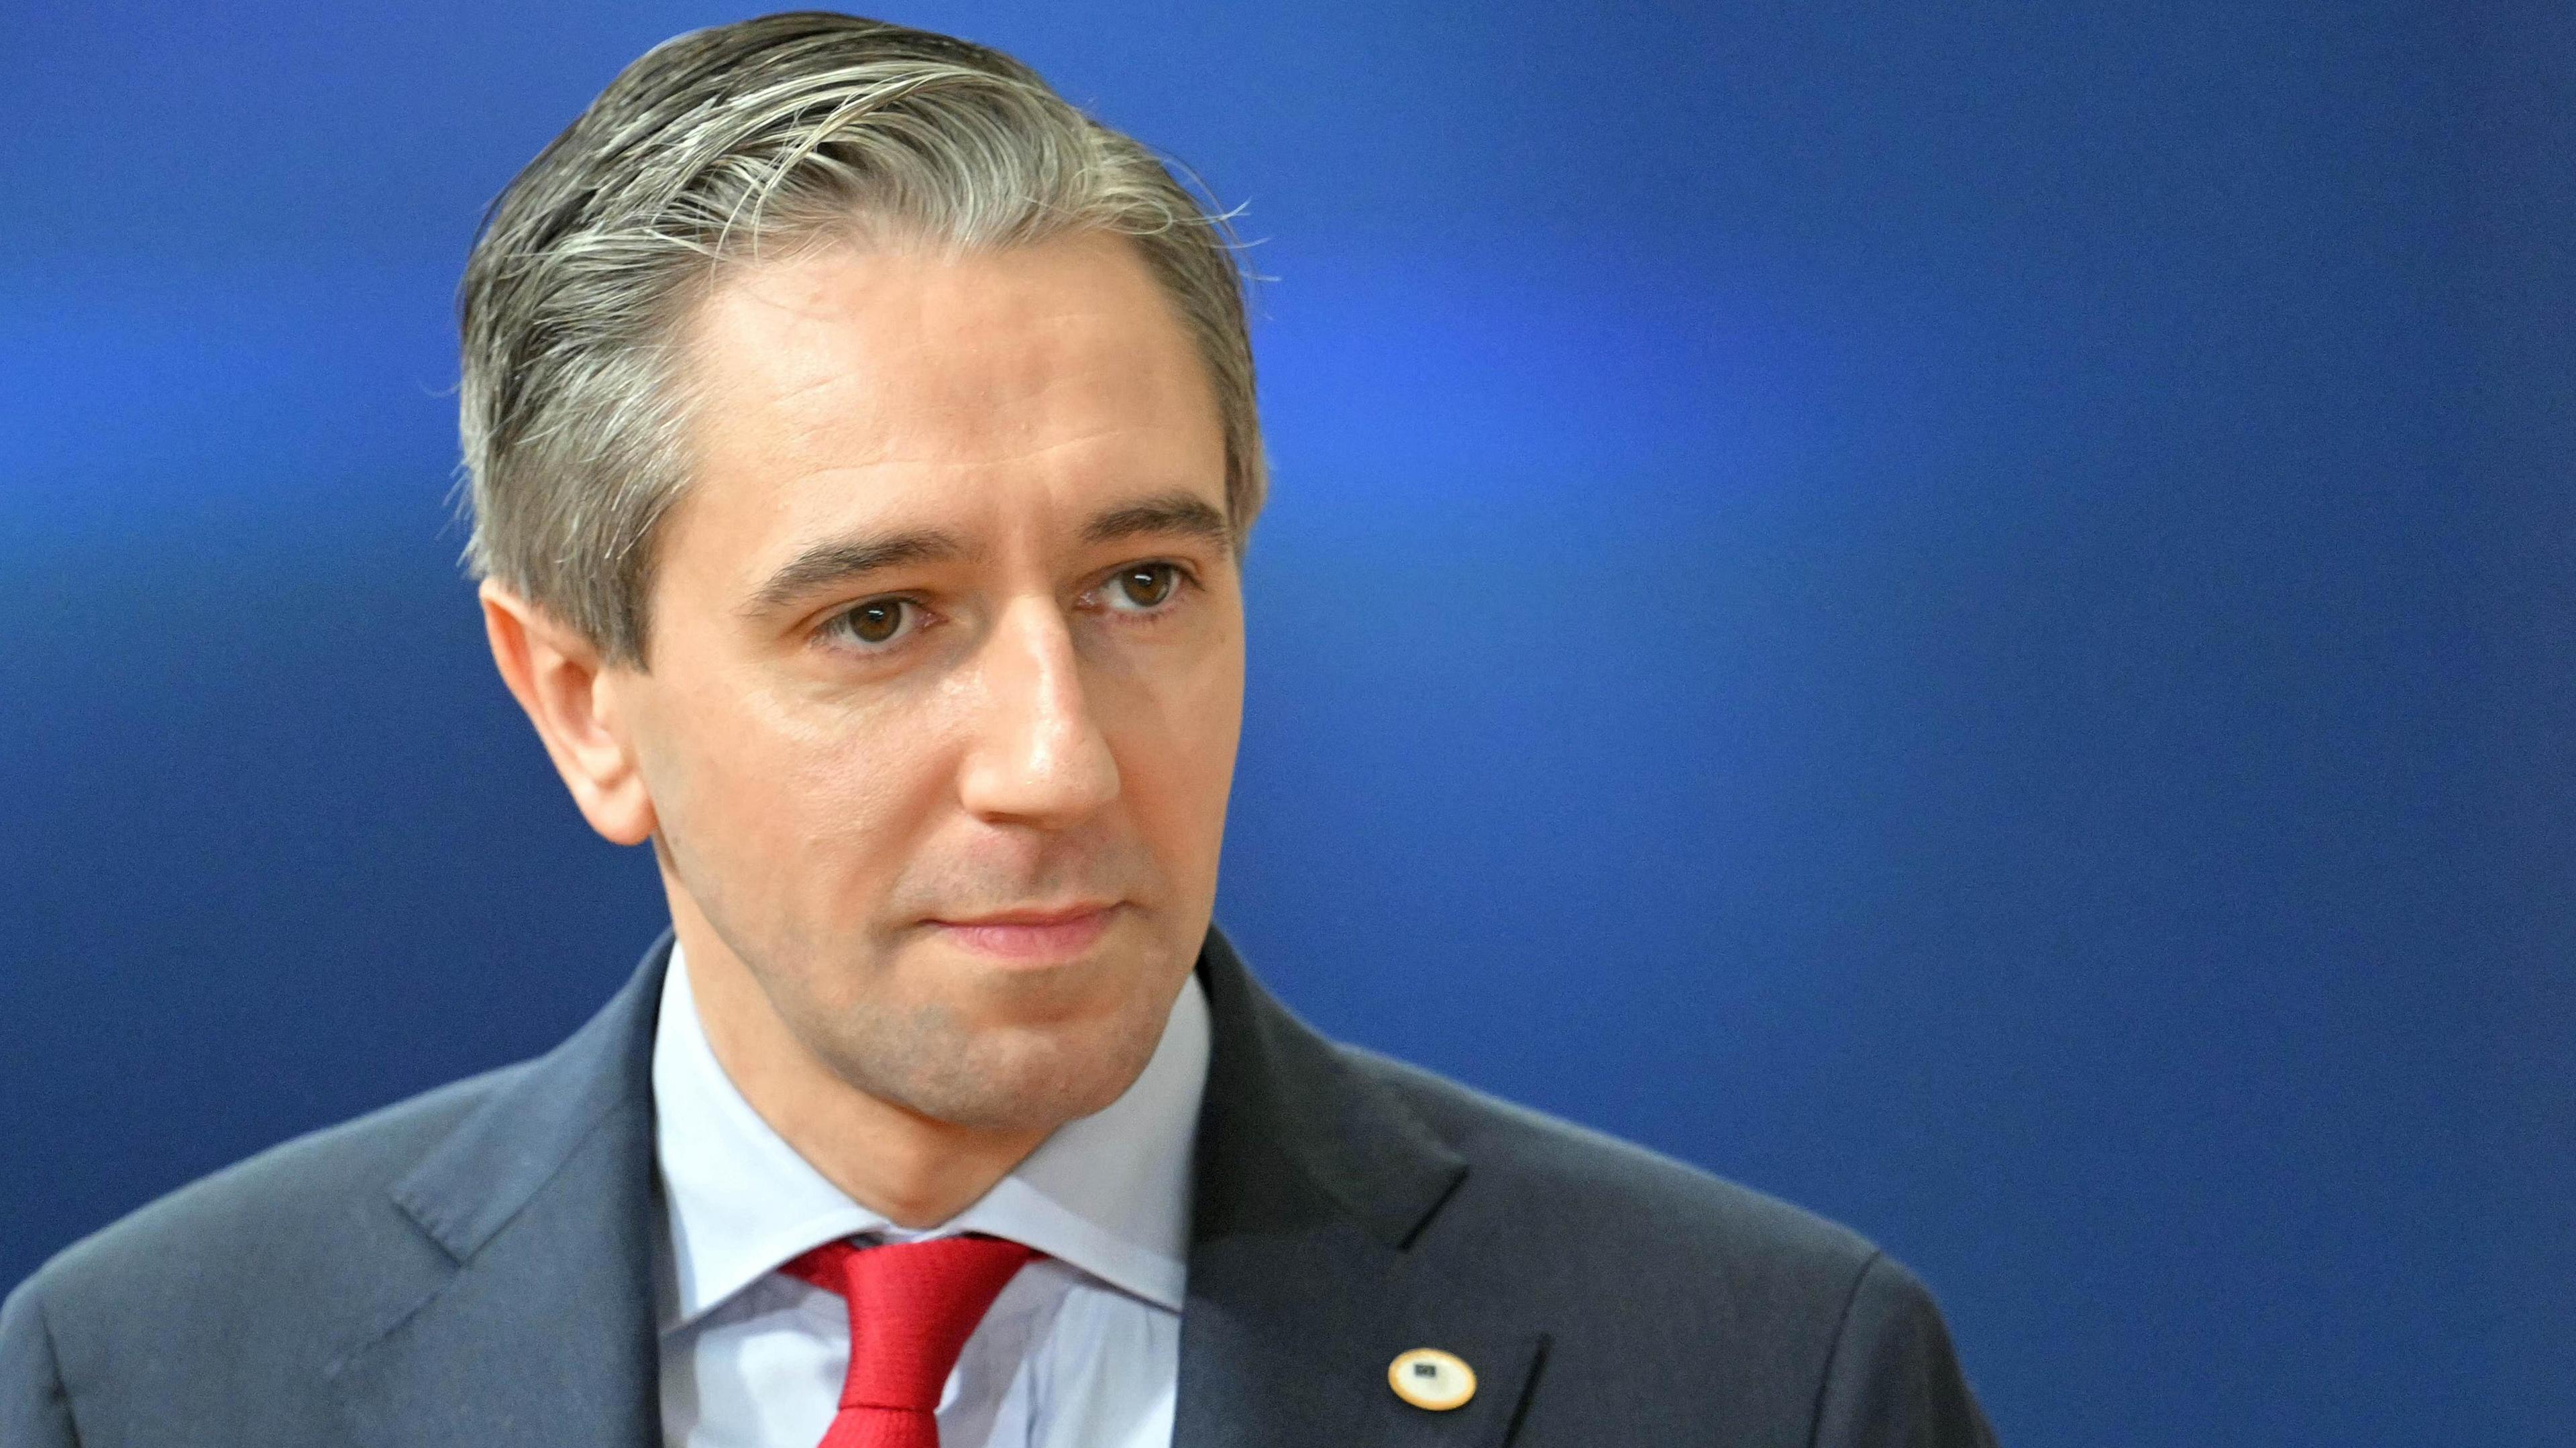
x,y
1960,613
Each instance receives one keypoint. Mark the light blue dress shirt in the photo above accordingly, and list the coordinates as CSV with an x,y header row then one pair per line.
x,y
1081,1350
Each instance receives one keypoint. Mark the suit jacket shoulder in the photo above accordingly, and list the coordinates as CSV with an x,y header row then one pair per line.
x,y
1580,1185
1692,1292
259,1265
1352,1206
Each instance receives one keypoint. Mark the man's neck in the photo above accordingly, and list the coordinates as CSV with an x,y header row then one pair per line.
x,y
911,1169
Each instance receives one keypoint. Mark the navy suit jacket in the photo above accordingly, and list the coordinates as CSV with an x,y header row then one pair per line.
x,y
473,1267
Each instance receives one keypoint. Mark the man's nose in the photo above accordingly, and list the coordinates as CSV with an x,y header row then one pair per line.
x,y
1038,754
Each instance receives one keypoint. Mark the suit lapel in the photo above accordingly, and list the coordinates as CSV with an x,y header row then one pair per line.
x,y
1311,1184
542,1329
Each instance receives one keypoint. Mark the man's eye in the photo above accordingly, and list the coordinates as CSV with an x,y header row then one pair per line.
x,y
875,623
1146,585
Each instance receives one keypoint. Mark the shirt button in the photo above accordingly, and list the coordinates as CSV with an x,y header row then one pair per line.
x,y
1429,1378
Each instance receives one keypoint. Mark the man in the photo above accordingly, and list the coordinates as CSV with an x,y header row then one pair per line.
x,y
862,448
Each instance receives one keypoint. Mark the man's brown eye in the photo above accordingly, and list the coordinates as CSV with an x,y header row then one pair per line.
x,y
1150,584
875,623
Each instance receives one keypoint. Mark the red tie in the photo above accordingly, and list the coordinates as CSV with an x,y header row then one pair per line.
x,y
912,1307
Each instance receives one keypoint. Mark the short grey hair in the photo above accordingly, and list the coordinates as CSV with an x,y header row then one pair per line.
x,y
742,140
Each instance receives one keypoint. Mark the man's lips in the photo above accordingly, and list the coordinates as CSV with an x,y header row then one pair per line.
x,y
1033,936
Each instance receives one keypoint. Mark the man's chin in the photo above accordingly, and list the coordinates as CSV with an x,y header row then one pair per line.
x,y
1015,1077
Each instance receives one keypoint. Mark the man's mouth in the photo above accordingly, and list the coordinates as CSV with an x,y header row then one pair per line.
x,y
1035,935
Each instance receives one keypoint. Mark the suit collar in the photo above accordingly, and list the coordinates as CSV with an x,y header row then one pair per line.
x,y
1279,1095
544,1197
509,1150
1314,1186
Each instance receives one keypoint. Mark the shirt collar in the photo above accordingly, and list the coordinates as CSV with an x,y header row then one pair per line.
x,y
1107,1193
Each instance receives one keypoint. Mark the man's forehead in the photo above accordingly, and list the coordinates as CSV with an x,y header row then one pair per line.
x,y
864,393
980,335
1056,357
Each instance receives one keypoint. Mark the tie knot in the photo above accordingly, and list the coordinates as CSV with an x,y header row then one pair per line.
x,y
912,1307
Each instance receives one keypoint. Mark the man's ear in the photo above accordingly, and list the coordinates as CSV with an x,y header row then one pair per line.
x,y
556,674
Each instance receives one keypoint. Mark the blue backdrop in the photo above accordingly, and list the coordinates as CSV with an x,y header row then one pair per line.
x,y
1960,616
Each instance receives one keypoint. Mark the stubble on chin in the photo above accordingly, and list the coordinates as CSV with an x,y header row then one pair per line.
x,y
935,1062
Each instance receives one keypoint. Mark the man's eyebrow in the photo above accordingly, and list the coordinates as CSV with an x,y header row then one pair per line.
x,y
835,563
826,565
1184,514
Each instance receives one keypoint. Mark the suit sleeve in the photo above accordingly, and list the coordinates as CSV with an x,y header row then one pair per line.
x,y
1893,1380
35,1408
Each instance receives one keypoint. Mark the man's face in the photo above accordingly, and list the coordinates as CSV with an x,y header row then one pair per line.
x,y
947,628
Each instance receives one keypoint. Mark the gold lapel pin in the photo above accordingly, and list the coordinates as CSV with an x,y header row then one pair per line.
x,y
1429,1378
